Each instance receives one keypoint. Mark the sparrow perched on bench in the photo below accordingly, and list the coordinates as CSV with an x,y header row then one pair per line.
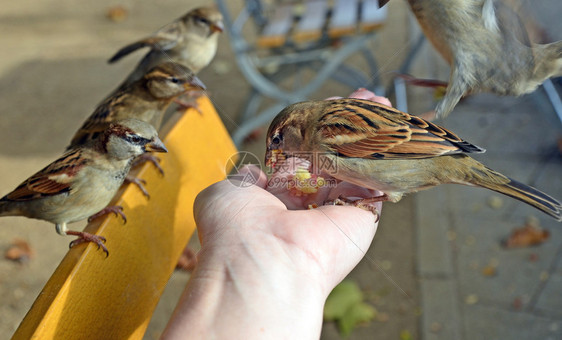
x,y
487,46
83,180
145,99
190,40
378,147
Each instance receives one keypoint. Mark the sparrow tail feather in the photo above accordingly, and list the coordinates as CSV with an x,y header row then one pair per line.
x,y
529,195
127,50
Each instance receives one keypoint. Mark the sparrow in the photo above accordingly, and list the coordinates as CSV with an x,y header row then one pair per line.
x,y
378,147
145,99
190,40
488,48
83,180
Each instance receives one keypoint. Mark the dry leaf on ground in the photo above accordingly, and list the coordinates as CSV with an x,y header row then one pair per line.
x,y
531,234
19,251
117,13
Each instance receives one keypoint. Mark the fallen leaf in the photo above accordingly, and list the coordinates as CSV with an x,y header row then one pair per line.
x,y
342,297
451,235
471,299
517,303
495,202
534,257
405,335
531,234
117,13
345,306
19,251
489,270
543,276
436,327
356,314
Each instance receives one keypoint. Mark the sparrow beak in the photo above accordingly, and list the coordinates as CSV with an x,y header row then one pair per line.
x,y
272,157
155,146
218,27
195,84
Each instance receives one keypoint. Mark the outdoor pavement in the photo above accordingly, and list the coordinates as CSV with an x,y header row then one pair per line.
x,y
459,232
436,269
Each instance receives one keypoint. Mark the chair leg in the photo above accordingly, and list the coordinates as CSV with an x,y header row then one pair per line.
x,y
553,97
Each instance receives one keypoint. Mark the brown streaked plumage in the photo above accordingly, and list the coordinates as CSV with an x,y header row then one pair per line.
x,y
84,180
145,99
487,46
381,148
190,40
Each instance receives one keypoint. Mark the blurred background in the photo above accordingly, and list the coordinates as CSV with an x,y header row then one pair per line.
x,y
436,269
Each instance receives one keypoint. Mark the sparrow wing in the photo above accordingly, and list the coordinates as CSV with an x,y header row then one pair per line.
x,y
54,179
104,114
365,129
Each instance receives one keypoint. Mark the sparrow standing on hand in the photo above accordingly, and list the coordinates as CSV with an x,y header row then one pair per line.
x,y
84,180
488,48
378,147
190,40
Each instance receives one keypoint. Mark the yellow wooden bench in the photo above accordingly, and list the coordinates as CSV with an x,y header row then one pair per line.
x,y
90,296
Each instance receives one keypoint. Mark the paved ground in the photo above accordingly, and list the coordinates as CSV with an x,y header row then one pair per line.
x,y
424,270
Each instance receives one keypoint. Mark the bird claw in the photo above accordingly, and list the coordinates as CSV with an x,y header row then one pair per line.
x,y
84,237
362,203
116,209
139,182
149,158
189,103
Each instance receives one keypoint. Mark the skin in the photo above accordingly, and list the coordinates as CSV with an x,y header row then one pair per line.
x,y
264,271
266,266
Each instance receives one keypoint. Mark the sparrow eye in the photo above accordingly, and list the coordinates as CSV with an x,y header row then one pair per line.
x,y
135,139
175,80
202,20
276,140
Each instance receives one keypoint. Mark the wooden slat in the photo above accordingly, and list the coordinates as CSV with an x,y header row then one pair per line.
x,y
312,21
90,296
372,16
344,18
275,32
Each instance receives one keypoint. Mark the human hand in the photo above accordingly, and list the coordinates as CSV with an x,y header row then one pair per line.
x,y
267,264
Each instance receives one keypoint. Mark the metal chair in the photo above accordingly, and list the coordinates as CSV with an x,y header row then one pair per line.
x,y
295,37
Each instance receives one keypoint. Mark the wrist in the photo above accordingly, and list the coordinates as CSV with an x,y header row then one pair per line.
x,y
233,285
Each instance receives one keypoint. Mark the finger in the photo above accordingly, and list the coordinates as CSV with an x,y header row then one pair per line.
x,y
252,173
363,93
